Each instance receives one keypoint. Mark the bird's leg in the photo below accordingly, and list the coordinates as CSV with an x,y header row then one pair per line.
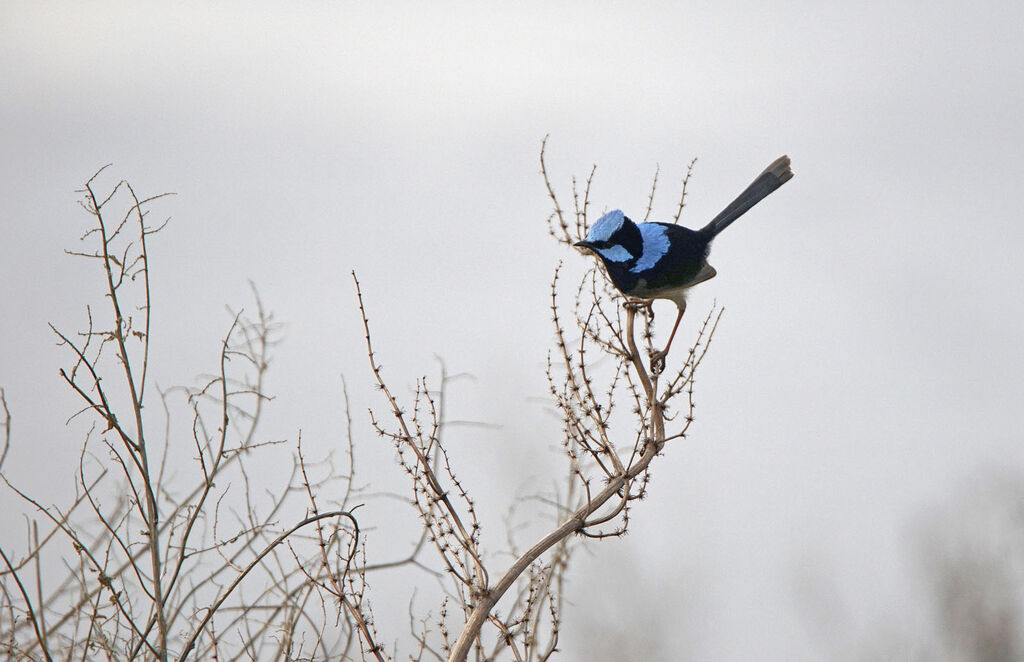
x,y
658,357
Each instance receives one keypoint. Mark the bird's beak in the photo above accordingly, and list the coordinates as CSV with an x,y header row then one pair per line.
x,y
584,246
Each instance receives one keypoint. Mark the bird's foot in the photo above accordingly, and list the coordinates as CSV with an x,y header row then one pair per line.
x,y
658,362
646,305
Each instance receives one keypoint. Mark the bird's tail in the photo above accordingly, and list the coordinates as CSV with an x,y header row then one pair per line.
x,y
774,176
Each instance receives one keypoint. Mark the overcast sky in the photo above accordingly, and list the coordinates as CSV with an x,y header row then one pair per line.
x,y
868,365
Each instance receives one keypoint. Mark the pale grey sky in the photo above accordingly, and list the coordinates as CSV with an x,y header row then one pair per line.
x,y
868,363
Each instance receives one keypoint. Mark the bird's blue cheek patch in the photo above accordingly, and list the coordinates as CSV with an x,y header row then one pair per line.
x,y
655,246
606,226
615,254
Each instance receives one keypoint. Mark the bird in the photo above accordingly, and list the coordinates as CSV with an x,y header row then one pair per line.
x,y
654,260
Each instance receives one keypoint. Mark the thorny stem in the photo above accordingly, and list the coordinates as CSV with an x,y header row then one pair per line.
x,y
466,540
576,522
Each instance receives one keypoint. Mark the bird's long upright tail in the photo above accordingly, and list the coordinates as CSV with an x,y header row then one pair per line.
x,y
774,176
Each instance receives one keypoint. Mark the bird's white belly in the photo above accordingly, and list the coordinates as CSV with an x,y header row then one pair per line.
x,y
676,294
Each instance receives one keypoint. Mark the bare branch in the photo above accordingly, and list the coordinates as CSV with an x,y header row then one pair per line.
x,y
212,609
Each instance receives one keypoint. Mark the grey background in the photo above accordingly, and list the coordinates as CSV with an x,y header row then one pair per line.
x,y
865,372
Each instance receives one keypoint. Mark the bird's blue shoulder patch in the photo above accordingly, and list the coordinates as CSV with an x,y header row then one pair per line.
x,y
656,244
606,226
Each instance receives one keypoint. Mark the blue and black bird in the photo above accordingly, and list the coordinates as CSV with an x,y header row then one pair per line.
x,y
664,260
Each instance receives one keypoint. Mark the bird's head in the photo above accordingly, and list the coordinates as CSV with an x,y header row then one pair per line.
x,y
615,239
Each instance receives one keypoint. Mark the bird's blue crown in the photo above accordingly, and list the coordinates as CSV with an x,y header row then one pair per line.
x,y
606,226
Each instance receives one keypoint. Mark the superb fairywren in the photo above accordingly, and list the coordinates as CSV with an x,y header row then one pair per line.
x,y
664,260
